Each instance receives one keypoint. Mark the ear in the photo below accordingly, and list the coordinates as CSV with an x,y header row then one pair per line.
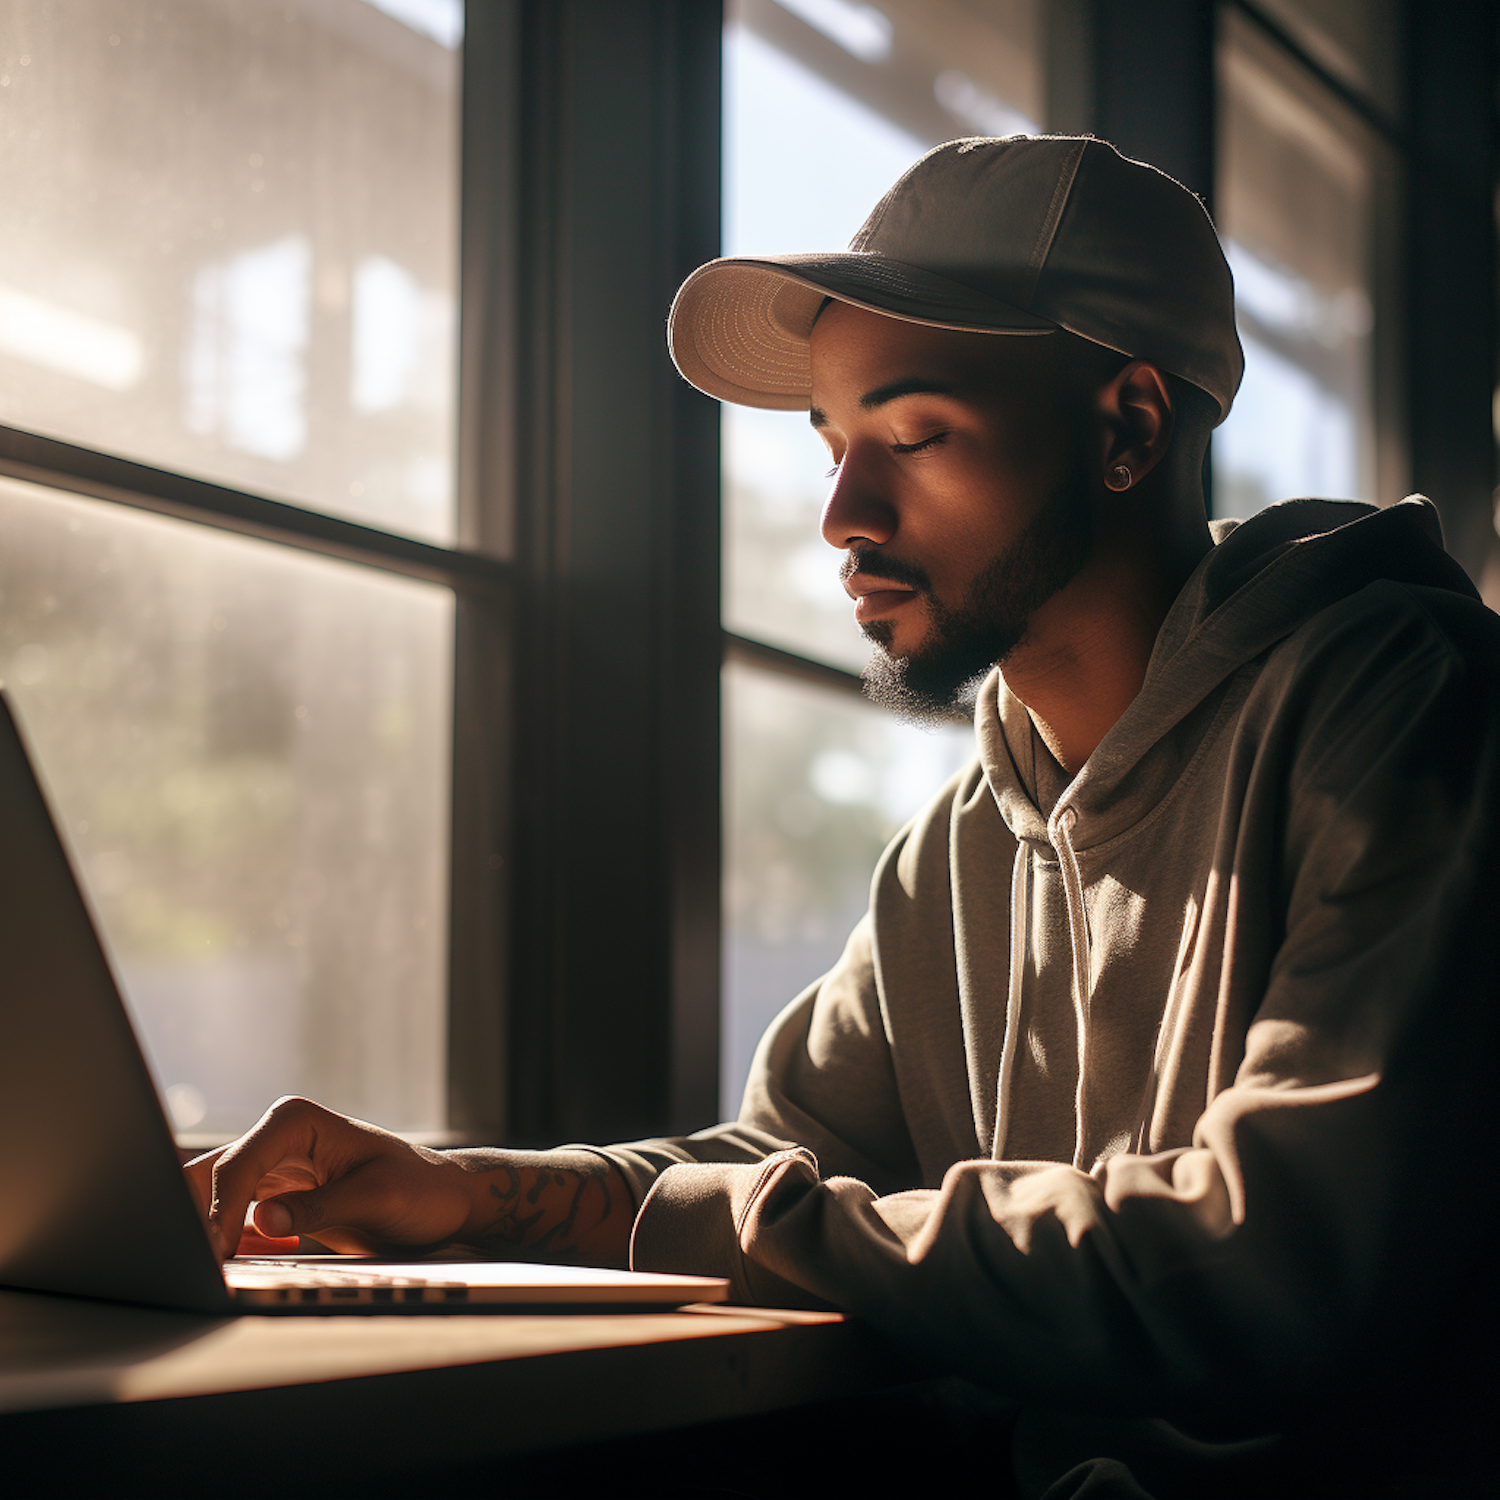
x,y
1137,409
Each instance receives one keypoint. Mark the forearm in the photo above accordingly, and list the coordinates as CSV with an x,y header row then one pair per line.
x,y
547,1205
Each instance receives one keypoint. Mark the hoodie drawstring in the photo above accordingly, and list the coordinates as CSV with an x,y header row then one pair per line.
x,y
1020,925
1061,833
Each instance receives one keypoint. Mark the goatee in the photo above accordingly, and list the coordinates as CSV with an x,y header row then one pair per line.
x,y
938,683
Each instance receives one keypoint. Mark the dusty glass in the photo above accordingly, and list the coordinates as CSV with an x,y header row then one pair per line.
x,y
231,243
1296,211
815,785
248,749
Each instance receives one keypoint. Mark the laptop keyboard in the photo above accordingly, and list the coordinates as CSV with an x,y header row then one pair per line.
x,y
330,1275
324,1283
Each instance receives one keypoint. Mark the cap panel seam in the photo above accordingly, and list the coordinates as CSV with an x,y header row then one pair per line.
x,y
1048,232
871,227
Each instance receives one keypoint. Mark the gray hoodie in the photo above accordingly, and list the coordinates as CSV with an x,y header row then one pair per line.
x,y
1160,1089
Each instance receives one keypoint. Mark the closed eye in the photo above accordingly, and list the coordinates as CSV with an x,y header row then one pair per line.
x,y
919,447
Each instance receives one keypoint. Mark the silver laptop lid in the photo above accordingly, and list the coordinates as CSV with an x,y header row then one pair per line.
x,y
92,1200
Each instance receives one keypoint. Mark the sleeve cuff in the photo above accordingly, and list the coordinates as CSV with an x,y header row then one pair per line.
x,y
692,1219
638,1169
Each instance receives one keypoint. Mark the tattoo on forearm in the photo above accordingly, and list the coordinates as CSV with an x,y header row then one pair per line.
x,y
522,1209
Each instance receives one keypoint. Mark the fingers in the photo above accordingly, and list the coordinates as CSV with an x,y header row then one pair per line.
x,y
199,1172
344,1203
287,1176
253,1242
391,1198
287,1133
351,1214
346,1183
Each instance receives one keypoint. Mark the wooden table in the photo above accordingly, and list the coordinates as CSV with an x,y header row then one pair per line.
x,y
101,1398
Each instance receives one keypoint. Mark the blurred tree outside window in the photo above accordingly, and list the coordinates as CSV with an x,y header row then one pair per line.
x,y
231,252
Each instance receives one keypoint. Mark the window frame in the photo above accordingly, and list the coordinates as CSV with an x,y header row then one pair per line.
x,y
584,923
589,188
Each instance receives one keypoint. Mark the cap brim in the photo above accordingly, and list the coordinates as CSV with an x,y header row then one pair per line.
x,y
739,326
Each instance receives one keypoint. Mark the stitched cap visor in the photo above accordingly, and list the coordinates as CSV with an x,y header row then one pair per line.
x,y
1012,235
739,327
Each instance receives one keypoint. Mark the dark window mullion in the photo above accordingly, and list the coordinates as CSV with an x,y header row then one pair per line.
x,y
482,855
48,461
753,653
1387,129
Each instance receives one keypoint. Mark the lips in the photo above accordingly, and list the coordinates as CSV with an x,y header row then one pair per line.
x,y
874,596
881,602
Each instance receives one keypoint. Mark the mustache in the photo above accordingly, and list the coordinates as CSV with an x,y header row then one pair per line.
x,y
874,563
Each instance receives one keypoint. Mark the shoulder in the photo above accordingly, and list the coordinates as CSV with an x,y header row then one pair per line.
x,y
1385,644
1393,619
916,861
1387,700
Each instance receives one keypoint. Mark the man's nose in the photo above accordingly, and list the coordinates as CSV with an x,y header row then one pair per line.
x,y
857,508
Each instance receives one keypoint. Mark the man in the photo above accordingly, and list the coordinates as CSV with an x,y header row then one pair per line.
x,y
1156,1057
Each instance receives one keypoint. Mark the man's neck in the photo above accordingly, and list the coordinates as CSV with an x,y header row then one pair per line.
x,y
1086,650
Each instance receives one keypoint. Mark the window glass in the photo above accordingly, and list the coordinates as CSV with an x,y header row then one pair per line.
x,y
1358,41
826,103
816,783
1296,212
231,243
248,749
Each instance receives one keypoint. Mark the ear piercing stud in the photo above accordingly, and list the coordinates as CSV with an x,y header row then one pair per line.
x,y
1119,478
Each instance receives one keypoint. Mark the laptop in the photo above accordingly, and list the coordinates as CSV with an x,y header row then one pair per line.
x,y
92,1199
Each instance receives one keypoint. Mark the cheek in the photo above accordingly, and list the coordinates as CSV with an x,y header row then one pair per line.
x,y
979,502
1024,463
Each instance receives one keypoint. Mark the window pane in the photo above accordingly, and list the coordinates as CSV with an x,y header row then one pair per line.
x,y
1358,41
1296,211
816,783
232,242
249,751
826,105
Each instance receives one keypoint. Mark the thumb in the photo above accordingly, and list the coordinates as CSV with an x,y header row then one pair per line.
x,y
275,1217
345,1205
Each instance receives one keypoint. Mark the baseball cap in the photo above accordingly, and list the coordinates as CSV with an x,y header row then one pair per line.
x,y
1018,235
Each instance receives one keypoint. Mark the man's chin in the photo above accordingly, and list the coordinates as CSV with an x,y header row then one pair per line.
x,y
924,689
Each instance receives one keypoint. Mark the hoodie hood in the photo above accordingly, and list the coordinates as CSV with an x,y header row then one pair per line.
x,y
1263,579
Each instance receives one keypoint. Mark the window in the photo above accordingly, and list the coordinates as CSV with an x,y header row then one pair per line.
x,y
1298,199
1356,44
381,706
384,707
232,256
233,250
816,780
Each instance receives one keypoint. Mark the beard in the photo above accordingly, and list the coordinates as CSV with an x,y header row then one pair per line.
x,y
940,680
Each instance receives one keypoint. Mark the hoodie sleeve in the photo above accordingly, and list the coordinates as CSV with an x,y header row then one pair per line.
x,y
1331,1194
822,1081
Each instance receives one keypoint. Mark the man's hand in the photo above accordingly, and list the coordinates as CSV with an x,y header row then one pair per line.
x,y
359,1189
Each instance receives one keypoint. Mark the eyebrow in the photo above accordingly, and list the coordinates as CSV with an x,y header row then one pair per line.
x,y
893,390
